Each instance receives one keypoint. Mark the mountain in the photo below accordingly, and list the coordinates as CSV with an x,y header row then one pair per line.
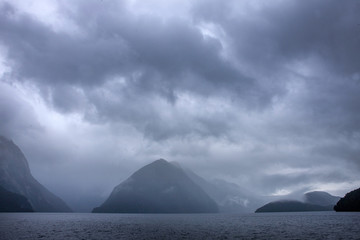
x,y
321,198
291,206
229,196
15,176
313,201
349,203
159,187
12,202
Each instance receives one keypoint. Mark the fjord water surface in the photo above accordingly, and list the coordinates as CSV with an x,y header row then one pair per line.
x,y
308,225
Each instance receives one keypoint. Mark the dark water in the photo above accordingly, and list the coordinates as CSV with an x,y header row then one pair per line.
x,y
314,225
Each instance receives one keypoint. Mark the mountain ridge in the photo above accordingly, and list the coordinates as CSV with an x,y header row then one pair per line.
x,y
229,196
291,206
320,198
16,177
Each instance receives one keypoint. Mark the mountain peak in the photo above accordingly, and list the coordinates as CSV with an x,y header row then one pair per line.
x,y
159,187
160,160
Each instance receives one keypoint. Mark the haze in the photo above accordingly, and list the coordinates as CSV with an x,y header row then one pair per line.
x,y
262,94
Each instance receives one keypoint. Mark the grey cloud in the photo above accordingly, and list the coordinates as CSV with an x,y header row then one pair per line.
x,y
289,31
40,54
121,46
293,181
153,58
296,31
17,115
68,98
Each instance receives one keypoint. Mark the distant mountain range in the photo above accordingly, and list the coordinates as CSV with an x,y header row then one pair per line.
x,y
313,201
15,177
159,187
291,206
230,197
349,203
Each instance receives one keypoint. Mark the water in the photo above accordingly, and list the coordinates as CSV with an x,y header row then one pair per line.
x,y
310,225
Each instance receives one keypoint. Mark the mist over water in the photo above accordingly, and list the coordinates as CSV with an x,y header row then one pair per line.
x,y
314,225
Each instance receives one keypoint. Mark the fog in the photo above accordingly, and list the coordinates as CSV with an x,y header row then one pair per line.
x,y
265,95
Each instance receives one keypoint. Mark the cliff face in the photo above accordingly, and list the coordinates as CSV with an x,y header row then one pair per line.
x,y
159,187
12,202
349,203
15,176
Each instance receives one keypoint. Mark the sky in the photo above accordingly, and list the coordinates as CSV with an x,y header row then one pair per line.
x,y
265,94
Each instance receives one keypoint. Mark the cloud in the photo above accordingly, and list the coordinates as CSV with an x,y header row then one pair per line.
x,y
122,59
17,115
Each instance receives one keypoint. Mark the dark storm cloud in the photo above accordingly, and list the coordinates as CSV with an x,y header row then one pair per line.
x,y
325,37
275,33
156,57
151,55
296,31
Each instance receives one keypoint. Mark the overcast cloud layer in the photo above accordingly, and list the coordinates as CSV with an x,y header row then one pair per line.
x,y
264,94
